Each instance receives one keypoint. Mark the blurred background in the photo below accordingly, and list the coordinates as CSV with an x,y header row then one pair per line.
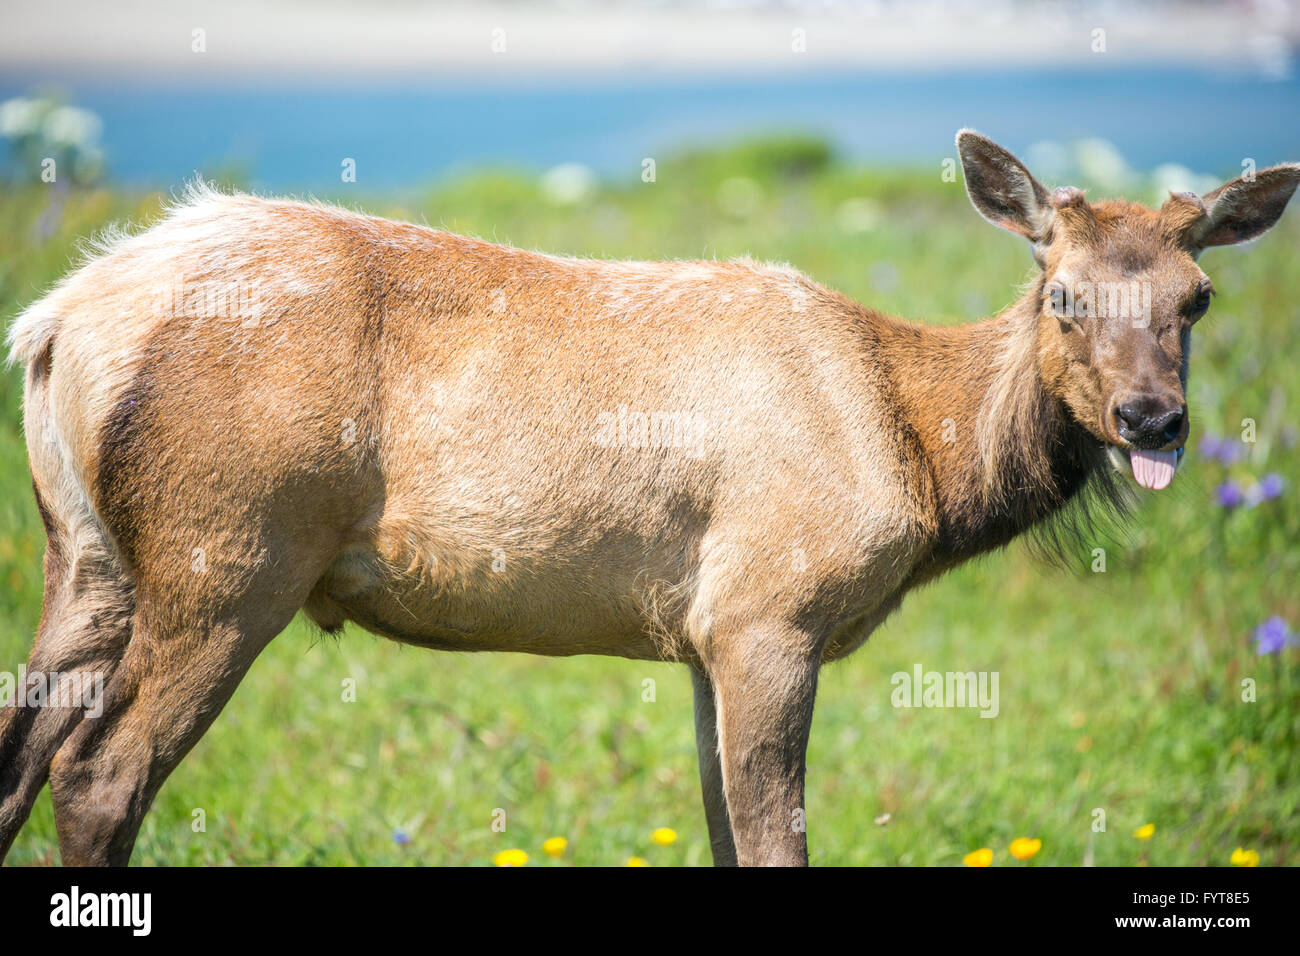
x,y
419,91
1156,693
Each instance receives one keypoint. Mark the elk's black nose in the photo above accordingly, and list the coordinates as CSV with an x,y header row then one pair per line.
x,y
1150,422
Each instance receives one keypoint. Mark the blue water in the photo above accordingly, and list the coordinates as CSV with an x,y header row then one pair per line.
x,y
411,133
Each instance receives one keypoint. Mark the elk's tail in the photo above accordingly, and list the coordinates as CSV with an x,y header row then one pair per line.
x,y
59,434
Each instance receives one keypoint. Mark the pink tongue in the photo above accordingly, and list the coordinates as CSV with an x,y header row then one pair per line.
x,y
1153,469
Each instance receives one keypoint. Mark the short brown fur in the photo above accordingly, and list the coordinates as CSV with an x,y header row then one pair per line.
x,y
438,438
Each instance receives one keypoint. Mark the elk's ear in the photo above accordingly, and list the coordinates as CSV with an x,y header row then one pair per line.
x,y
1243,209
1002,189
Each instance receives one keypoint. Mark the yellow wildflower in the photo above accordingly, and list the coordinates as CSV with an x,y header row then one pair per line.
x,y
555,846
980,857
664,836
1144,832
1242,857
510,858
1022,848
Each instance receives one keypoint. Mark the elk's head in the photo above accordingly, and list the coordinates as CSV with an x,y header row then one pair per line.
x,y
1121,291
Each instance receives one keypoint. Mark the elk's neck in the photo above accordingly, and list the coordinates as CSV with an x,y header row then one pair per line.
x,y
1002,452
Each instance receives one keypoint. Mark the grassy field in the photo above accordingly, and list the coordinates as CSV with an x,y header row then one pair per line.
x,y
1120,691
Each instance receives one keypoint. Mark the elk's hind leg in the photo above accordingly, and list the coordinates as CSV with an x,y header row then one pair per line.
x,y
177,674
85,625
202,616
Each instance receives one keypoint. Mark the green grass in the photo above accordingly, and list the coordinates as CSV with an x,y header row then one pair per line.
x,y
1119,691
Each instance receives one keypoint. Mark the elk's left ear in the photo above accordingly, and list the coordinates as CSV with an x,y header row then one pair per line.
x,y
1002,189
1244,208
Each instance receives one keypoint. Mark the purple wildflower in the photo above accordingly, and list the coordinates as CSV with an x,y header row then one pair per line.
x,y
1266,489
1270,486
1231,452
1210,446
1228,495
1272,636
401,837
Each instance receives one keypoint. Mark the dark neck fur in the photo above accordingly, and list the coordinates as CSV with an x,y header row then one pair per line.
x,y
1004,455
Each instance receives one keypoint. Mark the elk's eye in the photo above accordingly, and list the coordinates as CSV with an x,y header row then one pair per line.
x,y
1201,303
1057,301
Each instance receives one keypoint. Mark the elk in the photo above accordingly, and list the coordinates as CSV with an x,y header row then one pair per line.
x,y
445,441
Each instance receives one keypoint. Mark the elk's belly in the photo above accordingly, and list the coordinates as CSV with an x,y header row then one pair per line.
x,y
503,605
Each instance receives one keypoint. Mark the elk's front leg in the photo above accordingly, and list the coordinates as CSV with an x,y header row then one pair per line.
x,y
765,680
715,799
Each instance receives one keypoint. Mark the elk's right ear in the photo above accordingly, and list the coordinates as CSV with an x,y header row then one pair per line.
x,y
1002,189
1244,209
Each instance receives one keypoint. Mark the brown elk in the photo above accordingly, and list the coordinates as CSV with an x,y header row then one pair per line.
x,y
257,407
